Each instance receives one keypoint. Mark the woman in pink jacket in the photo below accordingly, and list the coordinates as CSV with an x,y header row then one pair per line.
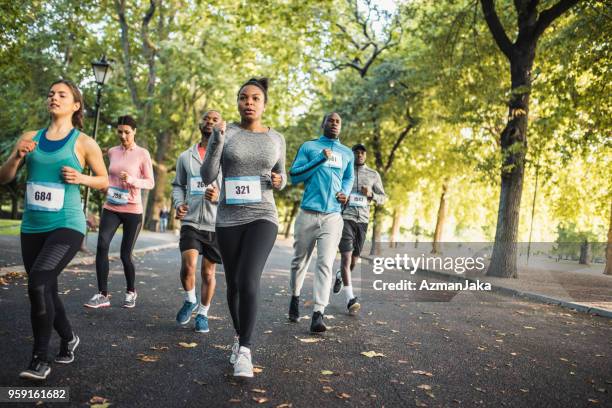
x,y
129,171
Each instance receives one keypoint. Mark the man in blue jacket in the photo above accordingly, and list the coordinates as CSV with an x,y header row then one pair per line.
x,y
325,166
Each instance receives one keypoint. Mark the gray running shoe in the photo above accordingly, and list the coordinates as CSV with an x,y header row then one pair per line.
x,y
130,300
98,300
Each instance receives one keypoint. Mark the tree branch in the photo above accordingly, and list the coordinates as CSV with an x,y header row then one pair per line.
x,y
127,56
399,141
350,38
551,14
496,28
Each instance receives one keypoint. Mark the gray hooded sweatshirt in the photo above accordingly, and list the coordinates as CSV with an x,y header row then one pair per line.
x,y
188,188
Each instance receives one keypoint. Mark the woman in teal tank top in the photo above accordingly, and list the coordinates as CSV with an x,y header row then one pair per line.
x,y
53,224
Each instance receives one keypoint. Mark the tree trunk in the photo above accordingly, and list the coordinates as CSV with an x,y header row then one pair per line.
x,y
395,228
375,249
294,210
585,252
608,270
157,196
14,207
441,220
514,149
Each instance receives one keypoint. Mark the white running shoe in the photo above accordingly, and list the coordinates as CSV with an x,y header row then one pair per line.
x,y
235,350
243,366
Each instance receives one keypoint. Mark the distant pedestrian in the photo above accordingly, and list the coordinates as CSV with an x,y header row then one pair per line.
x,y
164,214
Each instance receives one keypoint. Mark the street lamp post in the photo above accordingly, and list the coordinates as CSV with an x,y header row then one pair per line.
x,y
102,72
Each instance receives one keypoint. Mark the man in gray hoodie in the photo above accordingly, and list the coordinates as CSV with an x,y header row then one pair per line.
x,y
367,188
196,207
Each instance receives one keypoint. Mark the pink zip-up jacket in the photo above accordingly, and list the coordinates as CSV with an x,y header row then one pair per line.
x,y
136,161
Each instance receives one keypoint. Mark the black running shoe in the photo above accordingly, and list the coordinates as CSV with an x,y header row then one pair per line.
x,y
338,282
294,309
317,325
353,306
66,354
37,370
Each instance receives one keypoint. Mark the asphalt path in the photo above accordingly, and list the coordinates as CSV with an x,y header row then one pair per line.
x,y
443,349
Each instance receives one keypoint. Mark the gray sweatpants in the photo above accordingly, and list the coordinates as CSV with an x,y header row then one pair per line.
x,y
324,230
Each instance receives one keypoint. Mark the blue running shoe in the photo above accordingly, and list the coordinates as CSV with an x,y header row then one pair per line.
x,y
201,323
184,315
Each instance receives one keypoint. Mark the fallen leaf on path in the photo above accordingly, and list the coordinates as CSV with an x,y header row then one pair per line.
x,y
343,395
327,389
529,327
402,361
130,337
480,390
187,345
234,400
594,401
222,347
257,369
309,340
523,390
285,405
260,400
98,402
421,372
327,372
160,348
424,387
259,390
148,359
200,382
419,403
371,354
268,332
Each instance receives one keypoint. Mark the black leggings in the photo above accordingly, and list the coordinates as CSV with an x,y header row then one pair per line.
x,y
244,250
108,226
45,255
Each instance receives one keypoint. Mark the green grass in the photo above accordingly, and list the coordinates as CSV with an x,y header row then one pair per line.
x,y
10,227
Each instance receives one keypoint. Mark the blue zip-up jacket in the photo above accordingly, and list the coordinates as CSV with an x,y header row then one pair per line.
x,y
323,178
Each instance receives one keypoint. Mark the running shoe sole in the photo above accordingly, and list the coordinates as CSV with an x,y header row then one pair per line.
x,y
354,309
129,306
98,306
31,376
202,331
244,375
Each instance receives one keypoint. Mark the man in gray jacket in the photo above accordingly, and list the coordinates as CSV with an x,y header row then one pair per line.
x,y
367,187
196,207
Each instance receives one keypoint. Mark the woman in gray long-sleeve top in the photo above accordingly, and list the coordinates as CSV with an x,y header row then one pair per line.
x,y
252,159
